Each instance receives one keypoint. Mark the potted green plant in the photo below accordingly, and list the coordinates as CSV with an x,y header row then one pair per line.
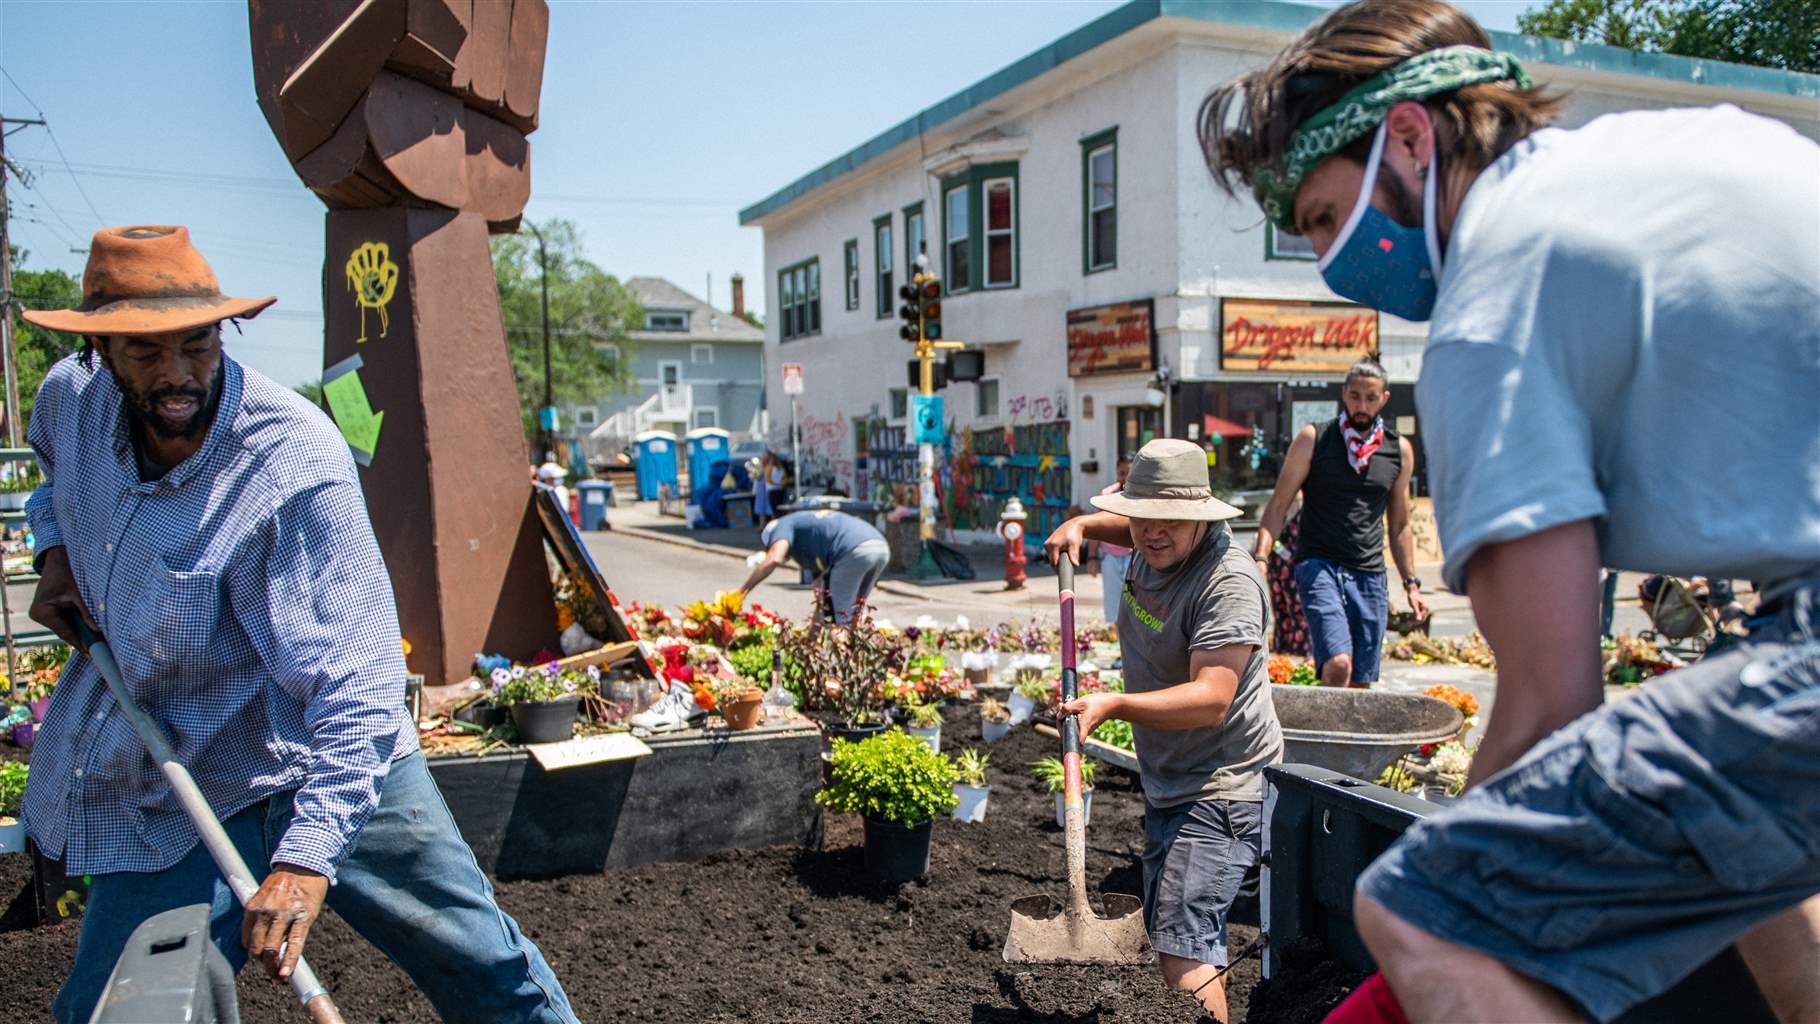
x,y
970,787
1030,692
1049,771
897,786
15,491
740,703
543,701
12,791
926,724
995,720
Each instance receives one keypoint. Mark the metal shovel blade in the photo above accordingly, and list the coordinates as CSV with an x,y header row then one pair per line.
x,y
1043,931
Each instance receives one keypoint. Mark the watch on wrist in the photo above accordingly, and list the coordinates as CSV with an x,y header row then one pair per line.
x,y
1412,581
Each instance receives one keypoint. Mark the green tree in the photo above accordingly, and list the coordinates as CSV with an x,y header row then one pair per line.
x,y
37,347
312,390
1781,34
589,310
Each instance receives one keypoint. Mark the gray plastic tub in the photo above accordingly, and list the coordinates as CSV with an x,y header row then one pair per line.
x,y
1358,732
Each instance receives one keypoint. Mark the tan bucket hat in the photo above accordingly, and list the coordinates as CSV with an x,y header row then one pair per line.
x,y
1168,481
146,279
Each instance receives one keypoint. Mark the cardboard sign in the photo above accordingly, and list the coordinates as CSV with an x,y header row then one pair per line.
x,y
1119,338
612,746
1295,336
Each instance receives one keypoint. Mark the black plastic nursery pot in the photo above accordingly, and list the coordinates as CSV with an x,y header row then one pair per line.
x,y
856,733
897,853
550,721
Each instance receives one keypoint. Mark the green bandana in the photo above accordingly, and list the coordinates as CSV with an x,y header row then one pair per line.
x,y
1364,107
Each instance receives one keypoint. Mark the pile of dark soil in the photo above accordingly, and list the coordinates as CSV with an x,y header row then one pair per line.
x,y
782,934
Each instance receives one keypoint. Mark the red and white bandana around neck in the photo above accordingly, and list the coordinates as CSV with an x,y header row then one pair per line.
x,y
1360,446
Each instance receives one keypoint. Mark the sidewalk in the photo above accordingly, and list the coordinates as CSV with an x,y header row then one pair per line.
x,y
1453,614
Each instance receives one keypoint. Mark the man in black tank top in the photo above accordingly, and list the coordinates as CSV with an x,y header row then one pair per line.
x,y
1353,473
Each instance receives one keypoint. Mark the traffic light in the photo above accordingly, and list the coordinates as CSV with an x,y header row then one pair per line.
x,y
911,312
931,296
966,365
938,375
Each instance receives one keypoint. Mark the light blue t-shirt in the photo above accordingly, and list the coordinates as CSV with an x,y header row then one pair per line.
x,y
1628,329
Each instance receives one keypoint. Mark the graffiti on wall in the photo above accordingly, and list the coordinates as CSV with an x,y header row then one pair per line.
x,y
825,455
1038,408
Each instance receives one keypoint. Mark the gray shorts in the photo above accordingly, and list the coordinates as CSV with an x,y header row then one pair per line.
x,y
1628,848
1195,857
850,580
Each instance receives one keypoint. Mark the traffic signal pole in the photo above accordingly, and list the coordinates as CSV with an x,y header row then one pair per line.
x,y
922,325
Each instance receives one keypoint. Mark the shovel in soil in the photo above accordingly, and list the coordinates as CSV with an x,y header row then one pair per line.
x,y
315,999
1042,929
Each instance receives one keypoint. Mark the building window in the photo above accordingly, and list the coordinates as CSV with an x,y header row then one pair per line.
x,y
1001,232
979,228
800,289
852,271
900,403
955,230
1100,197
670,374
881,255
913,236
987,401
706,418
660,321
584,417
701,355
1281,245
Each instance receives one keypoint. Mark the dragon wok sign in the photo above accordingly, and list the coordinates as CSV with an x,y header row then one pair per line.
x,y
1120,338
1294,336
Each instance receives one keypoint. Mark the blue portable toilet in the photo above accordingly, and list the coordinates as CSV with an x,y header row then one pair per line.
x,y
596,497
708,446
656,451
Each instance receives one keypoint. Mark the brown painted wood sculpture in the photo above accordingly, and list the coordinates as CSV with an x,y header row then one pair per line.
x,y
408,118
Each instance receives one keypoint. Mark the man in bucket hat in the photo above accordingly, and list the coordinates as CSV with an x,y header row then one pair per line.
x,y
1192,621
1585,290
210,524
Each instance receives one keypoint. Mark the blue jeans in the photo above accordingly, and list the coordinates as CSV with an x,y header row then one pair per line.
x,y
411,887
1347,612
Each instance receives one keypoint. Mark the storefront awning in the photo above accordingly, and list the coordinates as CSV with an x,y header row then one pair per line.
x,y
1211,424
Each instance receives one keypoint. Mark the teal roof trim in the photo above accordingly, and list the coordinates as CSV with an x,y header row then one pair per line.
x,y
1283,17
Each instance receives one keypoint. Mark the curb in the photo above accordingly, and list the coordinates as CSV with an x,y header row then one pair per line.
x,y
884,586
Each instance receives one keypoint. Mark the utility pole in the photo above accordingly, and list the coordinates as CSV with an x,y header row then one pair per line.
x,y
9,357
546,417
922,311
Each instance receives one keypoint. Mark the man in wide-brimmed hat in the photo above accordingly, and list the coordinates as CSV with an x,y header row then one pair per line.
x,y
1192,621
209,522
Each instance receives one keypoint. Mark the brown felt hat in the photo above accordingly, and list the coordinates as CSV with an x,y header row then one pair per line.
x,y
146,279
1168,481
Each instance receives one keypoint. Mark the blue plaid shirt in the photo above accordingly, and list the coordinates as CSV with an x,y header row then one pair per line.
x,y
244,597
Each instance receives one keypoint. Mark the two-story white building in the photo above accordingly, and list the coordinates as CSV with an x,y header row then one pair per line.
x,y
1067,206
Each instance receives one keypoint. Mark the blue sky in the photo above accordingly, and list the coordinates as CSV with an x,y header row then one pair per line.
x,y
660,121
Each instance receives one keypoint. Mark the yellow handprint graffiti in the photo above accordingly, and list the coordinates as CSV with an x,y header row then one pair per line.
x,y
373,277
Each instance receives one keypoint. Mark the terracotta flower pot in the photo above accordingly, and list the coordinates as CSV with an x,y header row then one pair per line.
x,y
741,708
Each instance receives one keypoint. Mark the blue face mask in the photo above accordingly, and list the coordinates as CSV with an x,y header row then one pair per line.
x,y
1380,263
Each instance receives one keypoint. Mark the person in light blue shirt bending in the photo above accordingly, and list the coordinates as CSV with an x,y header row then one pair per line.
x,y
845,554
210,524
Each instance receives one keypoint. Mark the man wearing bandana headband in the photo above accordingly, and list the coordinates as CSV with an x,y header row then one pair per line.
x,y
1578,284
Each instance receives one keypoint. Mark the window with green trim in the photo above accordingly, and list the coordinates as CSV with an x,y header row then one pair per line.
x,y
1099,202
913,236
799,288
1281,245
852,272
881,255
980,228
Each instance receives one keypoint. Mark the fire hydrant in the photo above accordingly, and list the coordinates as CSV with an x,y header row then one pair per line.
x,y
1011,527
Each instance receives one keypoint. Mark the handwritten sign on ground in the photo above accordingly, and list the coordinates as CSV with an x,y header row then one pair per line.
x,y
612,746
1294,335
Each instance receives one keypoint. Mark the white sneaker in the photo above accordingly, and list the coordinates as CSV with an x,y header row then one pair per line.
x,y
673,711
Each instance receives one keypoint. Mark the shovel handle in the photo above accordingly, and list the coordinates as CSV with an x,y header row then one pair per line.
x,y
304,985
1074,811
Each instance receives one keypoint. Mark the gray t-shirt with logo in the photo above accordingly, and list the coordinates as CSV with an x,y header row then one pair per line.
x,y
1213,599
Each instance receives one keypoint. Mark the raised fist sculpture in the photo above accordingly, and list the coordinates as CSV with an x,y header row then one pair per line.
x,y
408,118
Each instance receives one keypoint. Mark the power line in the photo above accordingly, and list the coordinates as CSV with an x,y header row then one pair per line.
x,y
100,221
